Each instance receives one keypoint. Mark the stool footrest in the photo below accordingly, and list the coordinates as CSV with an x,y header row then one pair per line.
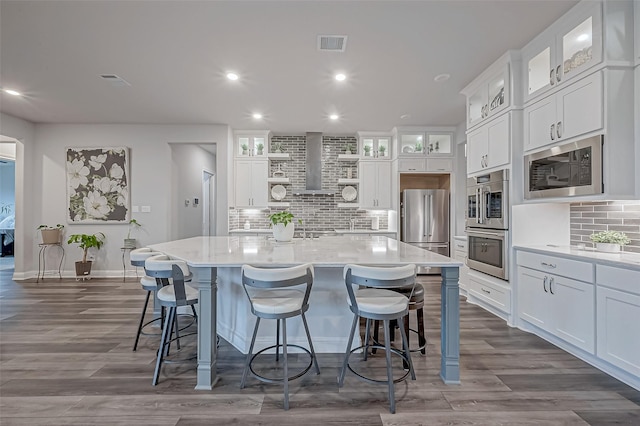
x,y
280,379
377,346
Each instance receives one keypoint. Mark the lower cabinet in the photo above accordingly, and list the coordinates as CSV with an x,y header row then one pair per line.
x,y
491,292
618,307
460,254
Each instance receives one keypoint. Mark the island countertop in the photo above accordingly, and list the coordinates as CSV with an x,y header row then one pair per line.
x,y
334,251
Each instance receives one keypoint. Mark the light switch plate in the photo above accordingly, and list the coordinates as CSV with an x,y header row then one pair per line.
x,y
135,209
146,209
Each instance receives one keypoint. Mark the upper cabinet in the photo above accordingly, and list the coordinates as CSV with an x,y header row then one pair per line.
x,y
433,143
567,48
488,146
490,97
375,145
251,143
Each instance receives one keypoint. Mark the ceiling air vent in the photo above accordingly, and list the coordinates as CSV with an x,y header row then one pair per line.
x,y
332,43
114,80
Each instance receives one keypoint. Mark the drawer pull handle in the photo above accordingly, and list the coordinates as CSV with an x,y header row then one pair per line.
x,y
548,265
486,291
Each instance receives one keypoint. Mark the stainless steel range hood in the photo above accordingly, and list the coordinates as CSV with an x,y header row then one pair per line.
x,y
313,166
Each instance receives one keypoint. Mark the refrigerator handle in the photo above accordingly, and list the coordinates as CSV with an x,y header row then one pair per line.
x,y
430,215
427,219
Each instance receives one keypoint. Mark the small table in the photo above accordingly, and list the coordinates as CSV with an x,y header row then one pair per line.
x,y
124,251
42,257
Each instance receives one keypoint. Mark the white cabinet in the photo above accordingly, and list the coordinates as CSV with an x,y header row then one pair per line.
x,y
375,145
618,314
575,110
564,50
436,165
488,146
557,304
251,143
251,183
460,254
375,185
490,97
425,142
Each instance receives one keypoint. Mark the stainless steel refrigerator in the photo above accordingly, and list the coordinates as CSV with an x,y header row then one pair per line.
x,y
425,221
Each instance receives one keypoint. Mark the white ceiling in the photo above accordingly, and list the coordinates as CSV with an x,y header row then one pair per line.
x,y
175,55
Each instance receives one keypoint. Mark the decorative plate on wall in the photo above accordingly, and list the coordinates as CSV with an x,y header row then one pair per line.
x,y
278,192
349,193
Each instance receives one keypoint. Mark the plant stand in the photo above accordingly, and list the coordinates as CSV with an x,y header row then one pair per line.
x,y
42,268
83,270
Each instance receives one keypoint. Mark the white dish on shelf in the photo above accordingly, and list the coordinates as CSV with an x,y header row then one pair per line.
x,y
278,192
349,193
408,149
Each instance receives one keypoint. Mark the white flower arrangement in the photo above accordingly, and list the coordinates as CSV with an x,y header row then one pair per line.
x,y
610,237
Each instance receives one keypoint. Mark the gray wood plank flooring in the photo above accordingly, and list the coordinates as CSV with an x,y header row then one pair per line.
x,y
66,359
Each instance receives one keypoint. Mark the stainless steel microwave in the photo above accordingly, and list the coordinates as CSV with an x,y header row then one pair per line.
x,y
565,170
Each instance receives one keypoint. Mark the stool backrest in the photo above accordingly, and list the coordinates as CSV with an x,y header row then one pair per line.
x,y
161,266
177,277
270,278
140,255
378,277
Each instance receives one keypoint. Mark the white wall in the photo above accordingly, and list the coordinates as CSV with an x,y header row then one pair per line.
x,y
150,180
460,190
188,161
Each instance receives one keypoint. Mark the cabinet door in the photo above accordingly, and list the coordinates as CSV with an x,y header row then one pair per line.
x,y
477,106
375,187
439,144
243,183
580,42
498,141
539,123
573,305
411,165
533,303
476,149
367,184
618,340
383,185
539,66
579,107
259,186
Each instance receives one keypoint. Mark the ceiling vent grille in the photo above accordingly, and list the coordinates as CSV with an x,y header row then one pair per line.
x,y
332,43
114,80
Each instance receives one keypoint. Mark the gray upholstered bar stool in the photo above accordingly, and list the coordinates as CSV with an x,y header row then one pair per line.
x,y
374,299
149,284
171,296
279,293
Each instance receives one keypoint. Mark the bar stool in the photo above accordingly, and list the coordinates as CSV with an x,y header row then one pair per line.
x,y
170,296
376,300
279,293
149,284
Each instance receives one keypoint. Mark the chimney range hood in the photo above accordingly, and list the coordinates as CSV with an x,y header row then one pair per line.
x,y
313,166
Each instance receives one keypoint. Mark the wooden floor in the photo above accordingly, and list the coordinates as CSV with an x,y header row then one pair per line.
x,y
66,359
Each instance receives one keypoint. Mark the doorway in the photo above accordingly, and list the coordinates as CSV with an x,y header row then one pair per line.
x,y
7,201
208,204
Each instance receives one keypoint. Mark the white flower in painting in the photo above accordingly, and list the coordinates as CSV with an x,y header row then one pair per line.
x,y
123,194
96,205
116,171
77,173
96,161
104,185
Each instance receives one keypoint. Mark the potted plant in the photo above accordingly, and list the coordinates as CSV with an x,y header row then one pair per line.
x,y
348,149
418,146
367,150
260,148
51,234
609,241
277,147
382,150
282,224
85,242
245,149
131,242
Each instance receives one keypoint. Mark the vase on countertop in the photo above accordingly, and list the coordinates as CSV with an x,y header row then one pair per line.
x,y
608,247
283,232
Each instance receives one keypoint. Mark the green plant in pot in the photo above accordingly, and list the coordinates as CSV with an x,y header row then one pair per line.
x,y
382,150
131,242
85,242
260,148
51,234
367,150
609,241
282,224
277,147
418,146
245,149
348,148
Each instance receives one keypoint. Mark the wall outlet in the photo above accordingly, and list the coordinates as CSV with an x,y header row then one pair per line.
x,y
146,209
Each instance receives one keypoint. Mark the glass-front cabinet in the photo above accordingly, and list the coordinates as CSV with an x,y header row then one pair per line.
x,y
489,98
427,143
564,50
251,143
377,146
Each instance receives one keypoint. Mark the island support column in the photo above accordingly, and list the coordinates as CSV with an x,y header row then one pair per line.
x,y
450,326
207,332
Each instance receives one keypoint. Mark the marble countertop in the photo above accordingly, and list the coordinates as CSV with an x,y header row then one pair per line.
x,y
364,231
622,259
334,251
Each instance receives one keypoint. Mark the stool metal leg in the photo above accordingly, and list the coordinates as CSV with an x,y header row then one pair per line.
x,y
387,350
421,337
161,349
248,361
286,364
347,352
407,352
144,310
376,326
313,352
277,340
366,339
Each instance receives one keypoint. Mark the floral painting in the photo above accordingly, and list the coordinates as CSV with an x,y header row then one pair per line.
x,y
98,185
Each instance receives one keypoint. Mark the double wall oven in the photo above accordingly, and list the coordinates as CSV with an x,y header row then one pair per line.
x,y
487,223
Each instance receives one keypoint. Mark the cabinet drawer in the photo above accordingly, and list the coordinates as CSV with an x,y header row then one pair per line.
x,y
574,269
495,295
411,165
618,278
460,245
439,165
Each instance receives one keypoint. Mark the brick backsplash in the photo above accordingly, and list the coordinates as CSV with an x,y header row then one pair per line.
x,y
319,212
589,217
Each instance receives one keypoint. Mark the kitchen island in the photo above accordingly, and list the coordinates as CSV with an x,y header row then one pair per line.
x,y
216,261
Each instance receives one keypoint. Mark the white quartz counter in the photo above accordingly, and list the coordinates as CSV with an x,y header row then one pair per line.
x,y
364,231
251,231
334,251
622,259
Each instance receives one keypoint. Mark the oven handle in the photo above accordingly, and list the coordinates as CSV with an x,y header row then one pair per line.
x,y
493,234
480,210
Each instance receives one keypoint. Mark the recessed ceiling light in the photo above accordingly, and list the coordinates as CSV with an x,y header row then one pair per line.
x,y
341,77
12,92
257,116
441,77
232,76
405,116
583,37
334,116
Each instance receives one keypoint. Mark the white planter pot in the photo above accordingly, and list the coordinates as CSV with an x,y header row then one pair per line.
x,y
283,233
608,247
